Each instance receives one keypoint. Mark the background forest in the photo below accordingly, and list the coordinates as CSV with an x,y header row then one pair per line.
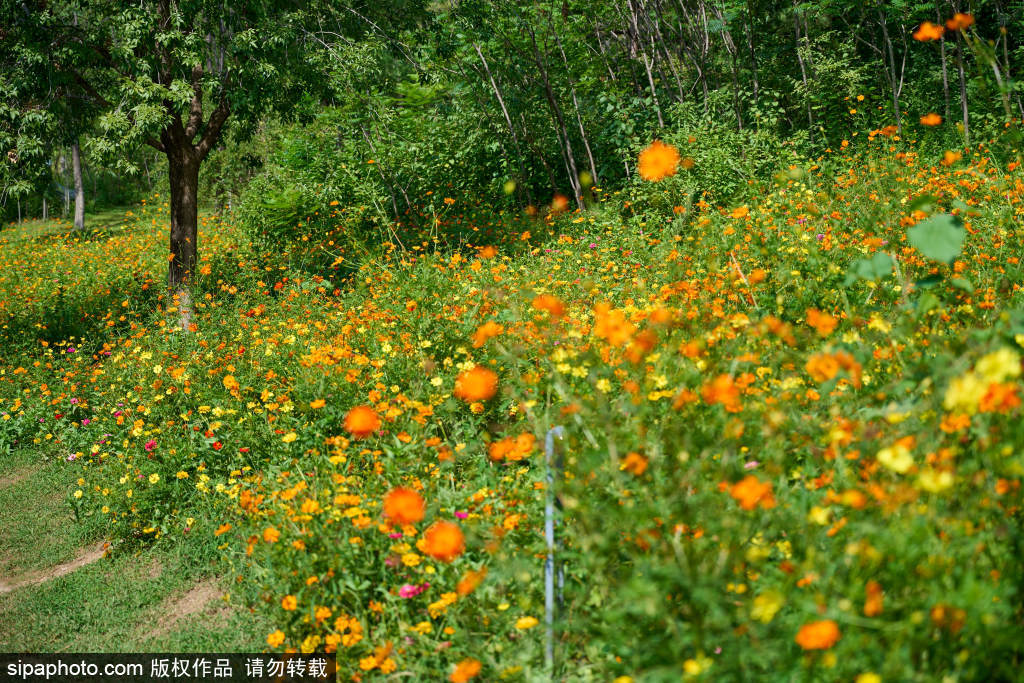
x,y
515,102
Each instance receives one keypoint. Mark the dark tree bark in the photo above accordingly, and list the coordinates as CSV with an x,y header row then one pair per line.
x,y
183,171
183,162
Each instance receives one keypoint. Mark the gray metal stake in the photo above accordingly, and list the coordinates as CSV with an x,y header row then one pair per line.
x,y
551,464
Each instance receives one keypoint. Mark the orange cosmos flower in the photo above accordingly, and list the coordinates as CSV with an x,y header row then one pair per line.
x,y
552,304
959,21
444,541
471,581
478,384
822,367
928,31
512,449
750,492
559,203
931,119
823,323
818,635
634,463
465,670
873,602
611,324
289,602
486,331
722,389
403,506
361,422
658,161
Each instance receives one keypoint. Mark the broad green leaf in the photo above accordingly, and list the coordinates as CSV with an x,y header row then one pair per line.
x,y
962,283
922,203
940,237
875,268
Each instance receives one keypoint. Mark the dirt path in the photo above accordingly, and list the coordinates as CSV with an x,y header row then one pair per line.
x,y
200,599
84,557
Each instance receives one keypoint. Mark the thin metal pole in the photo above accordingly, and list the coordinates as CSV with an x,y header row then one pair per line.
x,y
551,464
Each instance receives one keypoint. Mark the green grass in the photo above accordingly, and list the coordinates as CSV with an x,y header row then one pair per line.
x,y
122,603
103,221
37,524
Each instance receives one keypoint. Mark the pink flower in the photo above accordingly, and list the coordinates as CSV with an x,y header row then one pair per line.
x,y
150,445
461,514
751,465
411,591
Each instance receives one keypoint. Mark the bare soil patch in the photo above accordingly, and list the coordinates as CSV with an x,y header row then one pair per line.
x,y
84,557
203,598
16,476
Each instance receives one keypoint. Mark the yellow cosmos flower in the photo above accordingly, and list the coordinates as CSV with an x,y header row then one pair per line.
x,y
523,623
767,605
999,366
897,458
935,481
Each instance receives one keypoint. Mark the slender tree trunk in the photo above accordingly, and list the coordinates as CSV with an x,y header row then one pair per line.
x,y
656,23
751,51
556,110
538,154
62,167
76,163
964,112
579,116
945,71
600,47
183,173
637,46
895,87
45,214
508,121
803,68
730,47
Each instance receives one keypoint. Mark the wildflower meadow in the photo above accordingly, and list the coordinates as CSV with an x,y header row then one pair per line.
x,y
749,412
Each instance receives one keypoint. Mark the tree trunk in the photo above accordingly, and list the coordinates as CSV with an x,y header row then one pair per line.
x,y
945,71
964,111
76,163
183,172
803,69
562,130
895,86
45,214
508,121
579,116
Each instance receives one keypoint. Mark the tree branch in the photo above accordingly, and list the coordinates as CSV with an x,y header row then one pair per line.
x,y
213,128
195,112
